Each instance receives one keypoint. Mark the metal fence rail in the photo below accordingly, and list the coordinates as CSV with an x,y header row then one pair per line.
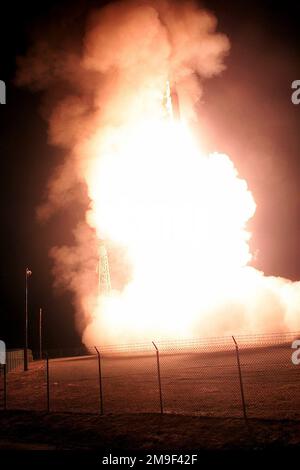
x,y
15,358
241,376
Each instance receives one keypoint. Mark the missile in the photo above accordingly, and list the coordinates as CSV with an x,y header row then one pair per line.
x,y
175,103
171,102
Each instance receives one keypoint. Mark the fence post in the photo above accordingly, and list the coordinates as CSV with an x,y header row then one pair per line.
x,y
100,381
48,382
5,385
159,378
241,379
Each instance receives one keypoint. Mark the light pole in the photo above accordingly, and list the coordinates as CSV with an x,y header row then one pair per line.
x,y
40,332
27,275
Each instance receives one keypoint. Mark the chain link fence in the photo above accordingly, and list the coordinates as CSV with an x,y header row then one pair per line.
x,y
242,376
271,380
26,390
73,381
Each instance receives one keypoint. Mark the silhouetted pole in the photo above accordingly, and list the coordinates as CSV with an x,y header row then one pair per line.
x,y
100,381
48,382
241,379
5,386
40,333
27,274
159,379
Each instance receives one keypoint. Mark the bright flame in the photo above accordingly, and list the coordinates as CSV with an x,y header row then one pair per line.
x,y
180,215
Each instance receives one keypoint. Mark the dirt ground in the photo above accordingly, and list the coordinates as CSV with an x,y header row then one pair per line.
x,y
142,432
201,401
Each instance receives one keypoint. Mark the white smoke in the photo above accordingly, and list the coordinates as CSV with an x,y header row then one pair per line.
x,y
129,50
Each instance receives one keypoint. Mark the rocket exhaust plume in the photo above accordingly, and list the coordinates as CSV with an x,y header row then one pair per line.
x,y
163,251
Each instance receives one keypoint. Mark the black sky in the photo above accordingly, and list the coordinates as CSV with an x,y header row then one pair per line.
x,y
246,112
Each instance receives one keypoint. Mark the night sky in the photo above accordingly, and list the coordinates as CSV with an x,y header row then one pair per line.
x,y
246,112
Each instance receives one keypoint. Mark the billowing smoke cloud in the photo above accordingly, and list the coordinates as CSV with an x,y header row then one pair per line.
x,y
118,75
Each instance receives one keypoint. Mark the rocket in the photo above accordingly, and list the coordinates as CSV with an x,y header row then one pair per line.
x,y
175,103
171,102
